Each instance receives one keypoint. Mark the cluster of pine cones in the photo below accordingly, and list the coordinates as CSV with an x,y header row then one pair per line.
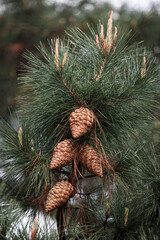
x,y
81,121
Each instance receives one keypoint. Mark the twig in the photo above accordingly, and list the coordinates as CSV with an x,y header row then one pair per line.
x,y
72,93
106,44
60,224
98,76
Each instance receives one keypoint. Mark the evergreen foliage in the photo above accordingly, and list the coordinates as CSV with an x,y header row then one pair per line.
x,y
23,23
120,85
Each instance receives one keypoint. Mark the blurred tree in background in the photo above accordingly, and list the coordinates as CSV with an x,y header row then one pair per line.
x,y
24,23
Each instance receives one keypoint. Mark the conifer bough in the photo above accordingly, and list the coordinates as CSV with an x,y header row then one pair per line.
x,y
86,103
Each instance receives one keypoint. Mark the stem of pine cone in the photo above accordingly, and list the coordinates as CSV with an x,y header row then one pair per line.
x,y
60,223
75,173
73,178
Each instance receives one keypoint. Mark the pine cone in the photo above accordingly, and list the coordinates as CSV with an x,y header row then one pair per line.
x,y
58,195
63,154
91,160
81,121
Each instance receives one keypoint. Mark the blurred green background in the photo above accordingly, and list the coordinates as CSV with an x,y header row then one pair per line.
x,y
25,22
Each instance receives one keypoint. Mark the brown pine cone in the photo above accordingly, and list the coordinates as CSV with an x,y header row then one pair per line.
x,y
63,154
58,195
81,121
91,160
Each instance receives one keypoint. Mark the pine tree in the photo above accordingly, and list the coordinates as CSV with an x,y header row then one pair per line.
x,y
82,152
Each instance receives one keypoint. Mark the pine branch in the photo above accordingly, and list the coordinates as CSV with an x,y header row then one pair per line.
x,y
72,93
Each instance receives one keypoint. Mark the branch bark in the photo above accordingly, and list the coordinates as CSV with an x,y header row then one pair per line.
x,y
60,223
